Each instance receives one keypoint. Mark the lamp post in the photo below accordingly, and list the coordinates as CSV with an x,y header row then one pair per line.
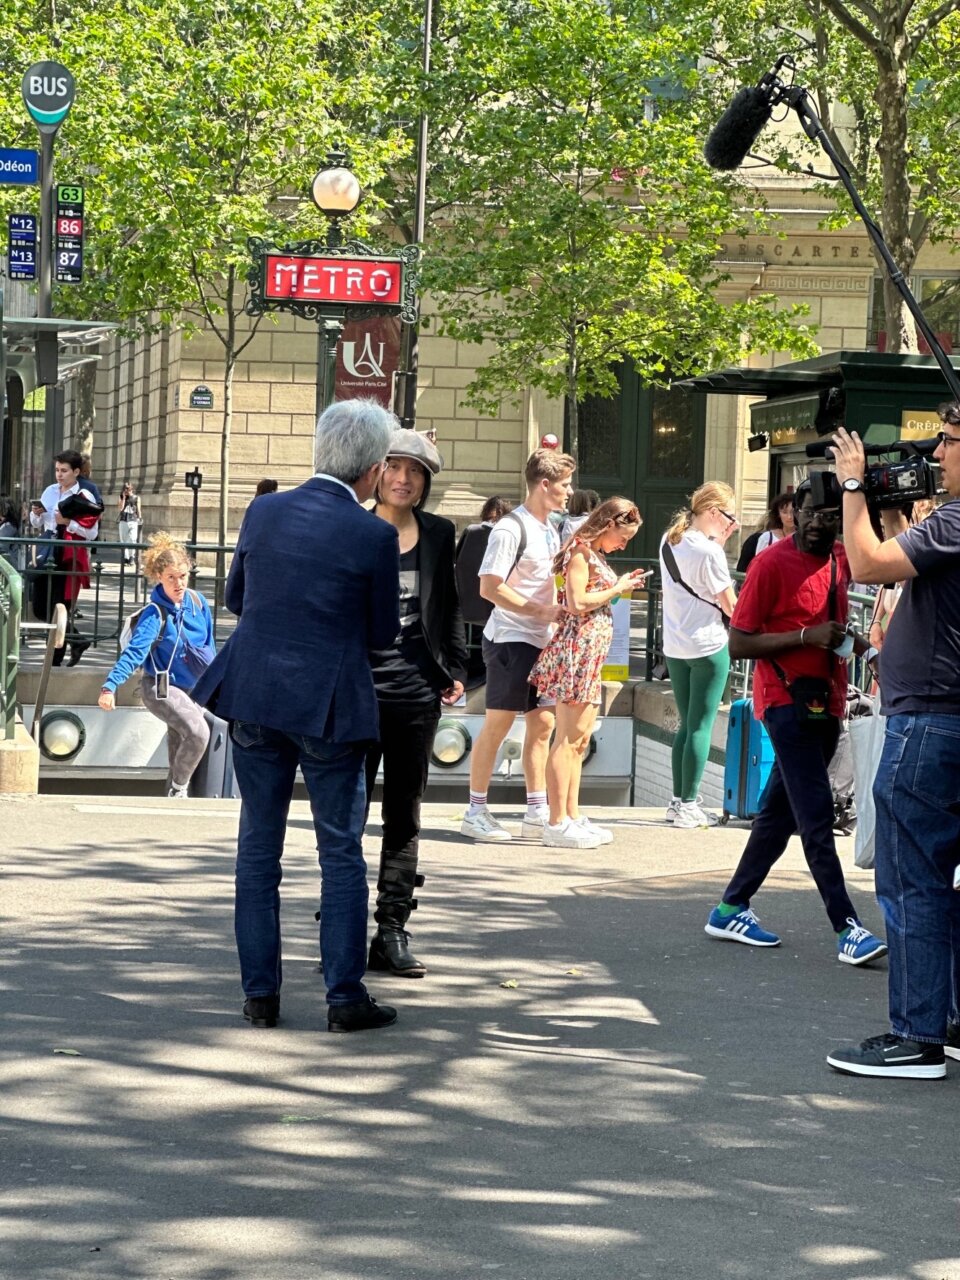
x,y
336,192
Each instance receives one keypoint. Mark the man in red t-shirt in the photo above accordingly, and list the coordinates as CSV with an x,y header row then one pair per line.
x,y
790,617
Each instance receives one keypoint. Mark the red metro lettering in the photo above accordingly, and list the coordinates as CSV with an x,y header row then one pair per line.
x,y
333,279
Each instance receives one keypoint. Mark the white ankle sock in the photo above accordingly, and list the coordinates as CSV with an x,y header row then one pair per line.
x,y
478,801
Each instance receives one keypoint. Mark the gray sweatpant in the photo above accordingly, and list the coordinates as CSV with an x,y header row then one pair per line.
x,y
187,730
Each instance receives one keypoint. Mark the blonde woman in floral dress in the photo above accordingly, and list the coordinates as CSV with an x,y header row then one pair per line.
x,y
569,667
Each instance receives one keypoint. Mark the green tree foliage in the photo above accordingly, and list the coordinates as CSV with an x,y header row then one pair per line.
x,y
885,80
573,220
197,124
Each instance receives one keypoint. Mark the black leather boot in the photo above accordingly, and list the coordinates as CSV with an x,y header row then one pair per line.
x,y
390,951
390,947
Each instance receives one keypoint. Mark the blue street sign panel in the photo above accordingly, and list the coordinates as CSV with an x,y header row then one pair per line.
x,y
22,246
19,168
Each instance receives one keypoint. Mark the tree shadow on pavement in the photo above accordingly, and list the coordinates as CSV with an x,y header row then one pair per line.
x,y
585,1085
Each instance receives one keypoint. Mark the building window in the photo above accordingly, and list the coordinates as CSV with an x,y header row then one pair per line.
x,y
939,297
598,419
675,420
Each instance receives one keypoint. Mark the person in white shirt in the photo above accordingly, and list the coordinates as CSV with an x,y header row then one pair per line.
x,y
697,597
523,593
63,585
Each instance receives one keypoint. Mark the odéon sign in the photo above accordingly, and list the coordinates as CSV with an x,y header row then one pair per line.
x,y
304,278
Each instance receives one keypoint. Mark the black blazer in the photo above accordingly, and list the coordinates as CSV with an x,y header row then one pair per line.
x,y
439,605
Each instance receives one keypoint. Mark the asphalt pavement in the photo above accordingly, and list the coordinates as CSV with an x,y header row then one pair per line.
x,y
583,1086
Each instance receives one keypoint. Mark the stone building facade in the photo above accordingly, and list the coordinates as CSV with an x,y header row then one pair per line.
x,y
148,432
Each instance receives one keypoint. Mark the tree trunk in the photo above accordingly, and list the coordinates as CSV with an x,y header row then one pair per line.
x,y
573,403
229,366
892,148
85,408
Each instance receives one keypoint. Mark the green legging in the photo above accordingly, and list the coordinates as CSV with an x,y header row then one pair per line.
x,y
698,685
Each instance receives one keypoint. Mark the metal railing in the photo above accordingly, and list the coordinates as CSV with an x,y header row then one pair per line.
x,y
11,595
646,635
116,588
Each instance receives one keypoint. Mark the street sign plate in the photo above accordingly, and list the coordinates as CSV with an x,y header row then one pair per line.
x,y
48,91
361,281
68,234
22,246
19,168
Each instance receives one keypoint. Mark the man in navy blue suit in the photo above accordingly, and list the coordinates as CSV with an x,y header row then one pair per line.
x,y
315,584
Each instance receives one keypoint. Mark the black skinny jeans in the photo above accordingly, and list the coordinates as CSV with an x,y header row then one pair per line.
x,y
406,739
798,797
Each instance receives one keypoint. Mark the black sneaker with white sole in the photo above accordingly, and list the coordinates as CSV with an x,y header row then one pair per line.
x,y
952,1047
890,1055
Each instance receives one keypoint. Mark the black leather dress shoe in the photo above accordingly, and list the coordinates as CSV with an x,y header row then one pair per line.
x,y
390,952
365,1015
262,1011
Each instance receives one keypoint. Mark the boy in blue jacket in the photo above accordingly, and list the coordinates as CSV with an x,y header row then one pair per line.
x,y
172,644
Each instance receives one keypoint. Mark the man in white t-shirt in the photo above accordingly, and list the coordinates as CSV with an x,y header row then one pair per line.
x,y
523,593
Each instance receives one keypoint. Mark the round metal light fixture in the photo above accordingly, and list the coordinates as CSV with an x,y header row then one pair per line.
x,y
62,735
335,190
451,743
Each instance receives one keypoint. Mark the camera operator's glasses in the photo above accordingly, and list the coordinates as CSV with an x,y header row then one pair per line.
x,y
825,515
944,439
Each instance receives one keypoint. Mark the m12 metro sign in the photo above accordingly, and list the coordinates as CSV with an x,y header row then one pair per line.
x,y
339,280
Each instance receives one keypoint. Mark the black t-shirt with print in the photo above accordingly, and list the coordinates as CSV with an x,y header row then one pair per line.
x,y
405,672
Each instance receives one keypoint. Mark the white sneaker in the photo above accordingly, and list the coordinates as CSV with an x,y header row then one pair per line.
x,y
483,826
178,793
712,819
672,809
568,835
689,816
605,834
533,823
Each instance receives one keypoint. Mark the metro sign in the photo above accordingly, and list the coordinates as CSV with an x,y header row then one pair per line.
x,y
332,283
358,281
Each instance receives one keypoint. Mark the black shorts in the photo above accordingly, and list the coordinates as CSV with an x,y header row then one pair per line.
x,y
508,666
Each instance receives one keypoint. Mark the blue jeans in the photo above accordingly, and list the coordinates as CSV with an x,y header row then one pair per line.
x,y
797,797
265,761
917,795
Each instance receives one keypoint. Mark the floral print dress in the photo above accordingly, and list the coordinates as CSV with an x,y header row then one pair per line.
x,y
569,667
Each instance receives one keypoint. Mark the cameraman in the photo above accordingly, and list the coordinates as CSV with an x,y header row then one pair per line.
x,y
916,792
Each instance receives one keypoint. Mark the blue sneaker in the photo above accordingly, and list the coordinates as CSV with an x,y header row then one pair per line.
x,y
857,945
742,927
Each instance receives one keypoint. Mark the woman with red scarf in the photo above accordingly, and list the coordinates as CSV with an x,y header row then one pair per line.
x,y
72,571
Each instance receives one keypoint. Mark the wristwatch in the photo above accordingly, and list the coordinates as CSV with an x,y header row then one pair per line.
x,y
853,485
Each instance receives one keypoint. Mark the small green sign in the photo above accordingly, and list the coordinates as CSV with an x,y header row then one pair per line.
x,y
201,398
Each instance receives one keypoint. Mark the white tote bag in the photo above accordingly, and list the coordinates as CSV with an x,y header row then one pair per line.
x,y
866,744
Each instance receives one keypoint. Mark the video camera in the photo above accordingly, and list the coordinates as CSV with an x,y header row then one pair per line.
x,y
910,478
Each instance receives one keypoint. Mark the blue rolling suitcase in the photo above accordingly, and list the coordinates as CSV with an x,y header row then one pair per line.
x,y
748,763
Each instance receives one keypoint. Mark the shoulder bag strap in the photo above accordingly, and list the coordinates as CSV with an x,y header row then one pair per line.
x,y
670,560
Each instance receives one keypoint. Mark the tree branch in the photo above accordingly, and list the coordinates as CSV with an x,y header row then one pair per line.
x,y
929,23
855,26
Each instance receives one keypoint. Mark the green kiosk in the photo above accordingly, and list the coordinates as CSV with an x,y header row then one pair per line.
x,y
881,397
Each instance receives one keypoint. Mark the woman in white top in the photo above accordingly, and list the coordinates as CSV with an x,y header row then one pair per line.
x,y
777,523
582,502
695,637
